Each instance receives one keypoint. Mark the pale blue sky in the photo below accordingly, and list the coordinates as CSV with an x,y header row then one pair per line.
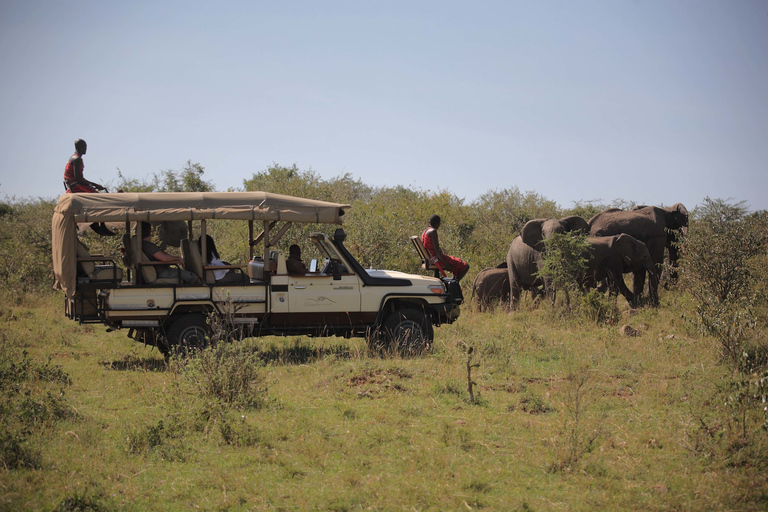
x,y
656,102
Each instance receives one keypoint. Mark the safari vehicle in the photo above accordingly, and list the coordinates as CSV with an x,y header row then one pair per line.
x,y
337,297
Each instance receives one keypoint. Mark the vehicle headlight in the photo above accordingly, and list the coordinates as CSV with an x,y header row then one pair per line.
x,y
437,289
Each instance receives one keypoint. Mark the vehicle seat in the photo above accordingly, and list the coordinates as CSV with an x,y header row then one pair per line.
x,y
278,260
428,263
193,261
87,267
148,273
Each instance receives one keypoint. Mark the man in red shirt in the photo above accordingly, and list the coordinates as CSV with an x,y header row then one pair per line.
x,y
75,182
73,172
429,240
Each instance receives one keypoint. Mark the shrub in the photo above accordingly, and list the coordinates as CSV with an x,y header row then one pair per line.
x,y
717,269
225,372
564,262
722,254
25,246
600,309
27,404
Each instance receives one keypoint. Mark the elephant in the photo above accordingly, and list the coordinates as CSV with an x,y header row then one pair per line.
x,y
534,232
651,225
525,253
522,265
491,284
172,232
610,257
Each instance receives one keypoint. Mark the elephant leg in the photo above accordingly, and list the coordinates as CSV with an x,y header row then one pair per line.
x,y
638,284
514,295
624,290
549,290
514,287
653,289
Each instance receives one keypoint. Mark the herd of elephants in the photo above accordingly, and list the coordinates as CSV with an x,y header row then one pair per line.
x,y
620,242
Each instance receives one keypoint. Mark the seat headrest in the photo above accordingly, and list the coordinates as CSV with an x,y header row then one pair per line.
x,y
197,260
87,267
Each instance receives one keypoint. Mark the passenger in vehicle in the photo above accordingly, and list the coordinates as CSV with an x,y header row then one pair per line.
x,y
294,264
212,259
154,253
458,267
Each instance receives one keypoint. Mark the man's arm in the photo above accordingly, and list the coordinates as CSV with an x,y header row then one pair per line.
x,y
79,178
436,247
167,258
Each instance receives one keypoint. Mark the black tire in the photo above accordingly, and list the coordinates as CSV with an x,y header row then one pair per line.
x,y
189,332
408,331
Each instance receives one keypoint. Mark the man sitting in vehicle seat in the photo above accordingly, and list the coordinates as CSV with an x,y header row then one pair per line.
x,y
293,264
154,253
429,240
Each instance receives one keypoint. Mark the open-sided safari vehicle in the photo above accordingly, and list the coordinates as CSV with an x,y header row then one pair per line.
x,y
339,298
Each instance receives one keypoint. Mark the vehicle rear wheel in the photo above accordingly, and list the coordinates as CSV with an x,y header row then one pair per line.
x,y
188,332
408,331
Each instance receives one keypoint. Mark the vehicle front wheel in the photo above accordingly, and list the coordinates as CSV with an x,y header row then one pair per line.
x,y
408,331
189,331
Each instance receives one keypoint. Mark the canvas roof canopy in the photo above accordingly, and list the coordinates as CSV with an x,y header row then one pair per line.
x,y
178,206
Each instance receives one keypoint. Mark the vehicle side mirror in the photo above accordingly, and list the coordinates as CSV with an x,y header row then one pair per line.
x,y
313,266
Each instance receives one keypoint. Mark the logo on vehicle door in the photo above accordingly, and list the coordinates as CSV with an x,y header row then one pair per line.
x,y
320,301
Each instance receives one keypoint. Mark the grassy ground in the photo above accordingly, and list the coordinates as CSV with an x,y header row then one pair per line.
x,y
567,415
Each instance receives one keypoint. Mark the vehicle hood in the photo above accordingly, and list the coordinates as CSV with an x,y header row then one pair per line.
x,y
415,279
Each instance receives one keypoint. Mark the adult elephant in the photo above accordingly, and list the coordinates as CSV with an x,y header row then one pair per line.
x,y
610,257
172,232
525,253
491,285
536,231
522,265
653,226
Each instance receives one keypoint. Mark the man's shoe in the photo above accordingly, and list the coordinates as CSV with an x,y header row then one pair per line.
x,y
102,229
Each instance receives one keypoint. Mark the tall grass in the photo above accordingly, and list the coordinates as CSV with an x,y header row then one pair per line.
x,y
563,407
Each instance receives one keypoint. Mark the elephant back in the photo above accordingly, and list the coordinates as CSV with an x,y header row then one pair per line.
x,y
536,231
522,262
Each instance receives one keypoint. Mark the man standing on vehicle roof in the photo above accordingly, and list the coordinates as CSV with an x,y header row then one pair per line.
x,y
458,267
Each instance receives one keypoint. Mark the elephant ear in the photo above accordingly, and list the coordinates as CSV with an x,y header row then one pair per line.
x,y
680,213
172,232
532,235
624,245
575,223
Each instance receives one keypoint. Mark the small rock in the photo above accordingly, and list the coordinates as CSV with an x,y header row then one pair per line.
x,y
670,336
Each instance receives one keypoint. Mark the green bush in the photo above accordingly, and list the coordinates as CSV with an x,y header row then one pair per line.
x,y
31,399
564,262
600,308
25,245
228,373
718,269
723,256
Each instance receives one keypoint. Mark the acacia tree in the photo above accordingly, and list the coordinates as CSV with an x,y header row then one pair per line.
x,y
718,269
187,179
722,267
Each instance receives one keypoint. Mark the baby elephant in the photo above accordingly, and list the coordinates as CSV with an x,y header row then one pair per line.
x,y
491,284
610,257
